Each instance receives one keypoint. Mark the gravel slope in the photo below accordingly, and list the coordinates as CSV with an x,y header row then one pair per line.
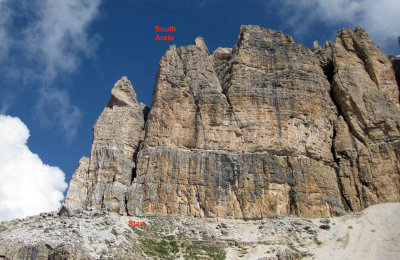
x,y
371,234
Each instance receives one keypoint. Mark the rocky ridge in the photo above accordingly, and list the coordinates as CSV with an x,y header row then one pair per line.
x,y
268,128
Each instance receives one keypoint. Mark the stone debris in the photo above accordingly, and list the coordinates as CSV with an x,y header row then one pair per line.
x,y
94,235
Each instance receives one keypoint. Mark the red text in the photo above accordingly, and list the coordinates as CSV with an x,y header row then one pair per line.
x,y
136,223
165,29
164,38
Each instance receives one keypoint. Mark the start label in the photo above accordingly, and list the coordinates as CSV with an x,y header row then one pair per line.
x,y
164,29
136,223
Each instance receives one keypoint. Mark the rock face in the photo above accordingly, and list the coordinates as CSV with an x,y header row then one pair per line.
x,y
267,128
102,181
366,145
78,187
396,66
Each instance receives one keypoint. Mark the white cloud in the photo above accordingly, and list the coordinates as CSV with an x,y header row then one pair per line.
x,y
60,34
379,18
52,40
54,106
4,20
27,186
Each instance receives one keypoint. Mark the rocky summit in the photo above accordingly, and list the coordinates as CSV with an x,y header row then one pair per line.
x,y
266,129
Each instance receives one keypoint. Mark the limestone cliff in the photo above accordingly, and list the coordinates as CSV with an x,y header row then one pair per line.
x,y
366,144
102,180
266,128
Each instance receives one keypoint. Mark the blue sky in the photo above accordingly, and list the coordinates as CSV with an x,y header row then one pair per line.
x,y
60,59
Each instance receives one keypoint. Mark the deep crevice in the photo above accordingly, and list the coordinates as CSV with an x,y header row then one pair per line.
x,y
396,67
346,203
230,106
329,71
225,91
102,201
146,111
135,161
196,123
126,203
292,201
133,174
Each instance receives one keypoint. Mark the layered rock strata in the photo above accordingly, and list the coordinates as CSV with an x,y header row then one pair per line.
x,y
264,129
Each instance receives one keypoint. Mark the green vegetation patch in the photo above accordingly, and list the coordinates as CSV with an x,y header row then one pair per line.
x,y
172,249
205,251
157,240
316,241
160,249
2,228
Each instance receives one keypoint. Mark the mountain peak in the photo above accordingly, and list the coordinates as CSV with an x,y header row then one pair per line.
x,y
123,94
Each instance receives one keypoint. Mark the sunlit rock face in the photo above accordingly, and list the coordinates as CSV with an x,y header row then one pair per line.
x,y
267,128
367,143
109,171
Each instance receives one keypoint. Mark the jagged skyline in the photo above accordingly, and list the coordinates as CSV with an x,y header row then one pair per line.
x,y
61,59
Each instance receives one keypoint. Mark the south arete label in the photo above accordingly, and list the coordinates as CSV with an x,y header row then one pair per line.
x,y
161,29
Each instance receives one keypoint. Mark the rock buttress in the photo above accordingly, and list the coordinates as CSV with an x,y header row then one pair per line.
x,y
110,170
78,186
367,141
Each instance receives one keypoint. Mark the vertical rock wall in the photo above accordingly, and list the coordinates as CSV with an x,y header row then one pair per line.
x,y
367,143
111,168
264,129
